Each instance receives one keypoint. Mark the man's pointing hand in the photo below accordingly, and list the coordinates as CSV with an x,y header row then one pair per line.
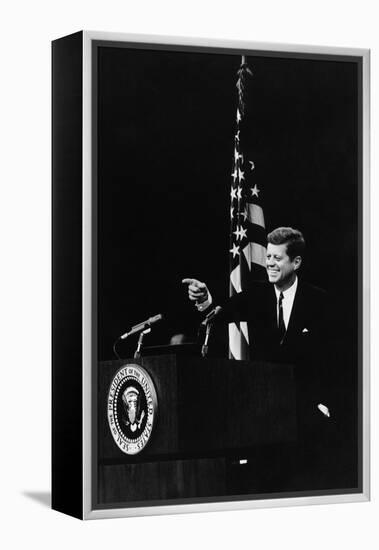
x,y
197,291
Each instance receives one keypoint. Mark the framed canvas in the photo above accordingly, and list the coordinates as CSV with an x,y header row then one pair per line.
x,y
210,275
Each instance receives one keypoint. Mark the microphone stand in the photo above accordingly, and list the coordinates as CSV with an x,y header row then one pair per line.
x,y
137,353
208,322
204,348
142,328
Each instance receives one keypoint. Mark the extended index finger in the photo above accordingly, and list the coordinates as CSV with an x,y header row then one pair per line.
x,y
194,283
188,281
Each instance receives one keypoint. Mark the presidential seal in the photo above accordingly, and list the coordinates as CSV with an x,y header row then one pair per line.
x,y
132,408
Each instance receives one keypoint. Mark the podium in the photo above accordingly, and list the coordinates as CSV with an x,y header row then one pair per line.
x,y
213,416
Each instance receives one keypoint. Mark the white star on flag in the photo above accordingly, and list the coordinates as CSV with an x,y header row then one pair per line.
x,y
235,174
237,232
254,191
241,175
252,165
239,193
235,250
244,214
243,233
238,116
233,192
232,212
238,135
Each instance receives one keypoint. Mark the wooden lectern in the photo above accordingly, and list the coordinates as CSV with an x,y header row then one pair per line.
x,y
216,420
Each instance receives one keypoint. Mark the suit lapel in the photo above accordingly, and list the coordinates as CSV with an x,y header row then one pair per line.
x,y
273,309
297,313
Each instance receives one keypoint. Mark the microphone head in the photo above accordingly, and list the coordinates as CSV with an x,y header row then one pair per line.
x,y
156,318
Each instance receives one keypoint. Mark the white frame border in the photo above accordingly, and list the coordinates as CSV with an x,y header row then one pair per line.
x,y
88,512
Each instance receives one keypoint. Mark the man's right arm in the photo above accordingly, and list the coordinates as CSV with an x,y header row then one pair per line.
x,y
233,309
198,292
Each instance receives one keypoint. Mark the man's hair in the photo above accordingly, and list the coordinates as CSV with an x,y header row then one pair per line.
x,y
293,238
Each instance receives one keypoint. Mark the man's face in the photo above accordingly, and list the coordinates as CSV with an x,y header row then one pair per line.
x,y
280,268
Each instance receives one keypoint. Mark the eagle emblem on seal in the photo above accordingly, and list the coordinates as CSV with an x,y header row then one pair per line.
x,y
131,402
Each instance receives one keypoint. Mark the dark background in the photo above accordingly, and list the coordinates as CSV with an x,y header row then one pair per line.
x,y
166,123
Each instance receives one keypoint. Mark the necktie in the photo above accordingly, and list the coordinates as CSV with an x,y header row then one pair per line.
x,y
281,325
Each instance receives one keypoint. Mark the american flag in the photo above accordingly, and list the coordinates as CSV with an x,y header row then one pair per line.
x,y
247,234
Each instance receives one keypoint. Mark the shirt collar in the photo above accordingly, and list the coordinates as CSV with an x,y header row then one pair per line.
x,y
290,292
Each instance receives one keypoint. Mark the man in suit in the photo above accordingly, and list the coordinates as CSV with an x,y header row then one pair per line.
x,y
288,322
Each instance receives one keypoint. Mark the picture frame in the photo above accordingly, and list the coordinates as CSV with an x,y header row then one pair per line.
x,y
145,144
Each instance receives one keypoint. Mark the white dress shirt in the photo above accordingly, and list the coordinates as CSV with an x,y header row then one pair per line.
x,y
287,303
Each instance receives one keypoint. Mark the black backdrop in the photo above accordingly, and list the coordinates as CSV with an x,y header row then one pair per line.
x,y
166,123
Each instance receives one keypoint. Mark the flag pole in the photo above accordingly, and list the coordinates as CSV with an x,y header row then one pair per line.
x,y
247,228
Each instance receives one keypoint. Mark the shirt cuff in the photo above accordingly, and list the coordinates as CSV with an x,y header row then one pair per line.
x,y
205,305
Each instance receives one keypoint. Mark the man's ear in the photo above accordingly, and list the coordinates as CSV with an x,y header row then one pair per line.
x,y
297,262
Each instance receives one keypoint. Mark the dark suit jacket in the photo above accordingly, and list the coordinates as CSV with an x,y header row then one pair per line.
x,y
310,346
307,343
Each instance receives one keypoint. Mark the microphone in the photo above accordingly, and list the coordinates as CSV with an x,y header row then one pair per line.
x,y
142,326
211,315
207,323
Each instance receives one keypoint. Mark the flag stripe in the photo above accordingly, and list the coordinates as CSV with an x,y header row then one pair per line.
x,y
235,279
256,234
255,215
244,330
235,341
255,253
